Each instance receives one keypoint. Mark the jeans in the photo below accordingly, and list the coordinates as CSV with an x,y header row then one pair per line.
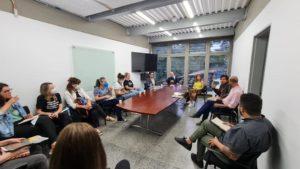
x,y
111,104
205,109
206,131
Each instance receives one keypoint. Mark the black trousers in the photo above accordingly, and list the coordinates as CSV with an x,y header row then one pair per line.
x,y
44,127
92,117
62,121
111,105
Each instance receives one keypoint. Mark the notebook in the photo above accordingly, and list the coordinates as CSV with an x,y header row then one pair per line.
x,y
26,142
218,122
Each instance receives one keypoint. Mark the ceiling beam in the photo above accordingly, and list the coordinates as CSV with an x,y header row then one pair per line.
x,y
203,35
131,8
224,17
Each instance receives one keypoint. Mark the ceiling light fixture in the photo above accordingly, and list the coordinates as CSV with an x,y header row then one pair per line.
x,y
188,9
198,30
168,33
141,14
161,29
175,38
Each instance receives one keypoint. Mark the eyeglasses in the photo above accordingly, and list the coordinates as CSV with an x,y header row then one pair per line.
x,y
6,91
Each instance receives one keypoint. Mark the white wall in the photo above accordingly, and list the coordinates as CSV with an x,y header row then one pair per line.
x,y
32,52
281,84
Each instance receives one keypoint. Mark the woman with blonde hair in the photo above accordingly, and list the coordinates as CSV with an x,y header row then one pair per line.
x,y
198,88
49,103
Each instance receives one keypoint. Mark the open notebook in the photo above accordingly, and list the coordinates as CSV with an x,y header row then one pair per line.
x,y
35,118
218,122
26,142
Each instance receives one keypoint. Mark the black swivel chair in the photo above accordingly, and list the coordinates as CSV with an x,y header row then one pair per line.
x,y
26,109
244,162
232,114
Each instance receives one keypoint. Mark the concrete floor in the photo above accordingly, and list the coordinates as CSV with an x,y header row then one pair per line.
x,y
145,150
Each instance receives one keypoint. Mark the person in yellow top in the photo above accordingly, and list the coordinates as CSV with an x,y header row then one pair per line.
x,y
198,88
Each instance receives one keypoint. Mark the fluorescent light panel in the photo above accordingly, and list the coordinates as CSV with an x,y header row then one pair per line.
x,y
188,8
141,14
168,33
198,30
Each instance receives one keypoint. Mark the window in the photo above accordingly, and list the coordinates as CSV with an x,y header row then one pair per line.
x,y
196,66
218,65
219,45
197,47
160,50
175,53
177,66
161,73
178,48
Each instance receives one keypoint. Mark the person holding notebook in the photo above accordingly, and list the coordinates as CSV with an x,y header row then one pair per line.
x,y
49,103
12,113
23,157
250,137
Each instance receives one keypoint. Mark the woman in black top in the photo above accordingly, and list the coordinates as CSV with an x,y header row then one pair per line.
x,y
49,103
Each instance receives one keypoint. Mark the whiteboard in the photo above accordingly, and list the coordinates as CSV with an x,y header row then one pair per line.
x,y
91,64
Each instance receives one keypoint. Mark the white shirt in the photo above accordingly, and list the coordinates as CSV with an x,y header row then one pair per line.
x,y
71,97
153,81
233,98
118,86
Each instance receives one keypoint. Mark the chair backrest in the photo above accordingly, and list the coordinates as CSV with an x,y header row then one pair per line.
x,y
26,109
246,162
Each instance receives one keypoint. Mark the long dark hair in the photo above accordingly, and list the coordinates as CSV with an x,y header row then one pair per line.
x,y
99,82
71,82
2,99
78,147
198,75
121,76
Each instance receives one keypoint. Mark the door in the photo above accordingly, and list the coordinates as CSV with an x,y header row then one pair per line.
x,y
259,55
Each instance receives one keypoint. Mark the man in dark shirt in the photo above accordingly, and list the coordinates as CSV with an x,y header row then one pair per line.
x,y
172,80
252,136
224,88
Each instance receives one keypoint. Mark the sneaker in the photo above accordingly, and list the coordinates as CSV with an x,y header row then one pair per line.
x,y
183,142
194,159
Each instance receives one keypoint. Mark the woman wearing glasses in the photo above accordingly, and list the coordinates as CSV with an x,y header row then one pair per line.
x,y
12,113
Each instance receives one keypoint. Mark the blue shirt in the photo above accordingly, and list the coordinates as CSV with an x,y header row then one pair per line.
x,y
7,122
101,92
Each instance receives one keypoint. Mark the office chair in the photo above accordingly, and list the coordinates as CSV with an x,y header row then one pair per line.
x,y
244,162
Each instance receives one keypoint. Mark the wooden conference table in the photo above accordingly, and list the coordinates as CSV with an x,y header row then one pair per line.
x,y
151,103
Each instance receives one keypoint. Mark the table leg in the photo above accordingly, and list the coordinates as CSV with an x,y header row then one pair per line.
x,y
147,126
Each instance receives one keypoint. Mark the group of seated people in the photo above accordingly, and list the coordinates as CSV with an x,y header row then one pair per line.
x,y
252,136
51,118
245,140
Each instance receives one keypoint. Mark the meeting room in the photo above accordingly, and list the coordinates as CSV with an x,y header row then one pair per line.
x,y
149,84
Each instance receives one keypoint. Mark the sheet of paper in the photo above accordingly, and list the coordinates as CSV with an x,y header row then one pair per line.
x,y
30,119
218,122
